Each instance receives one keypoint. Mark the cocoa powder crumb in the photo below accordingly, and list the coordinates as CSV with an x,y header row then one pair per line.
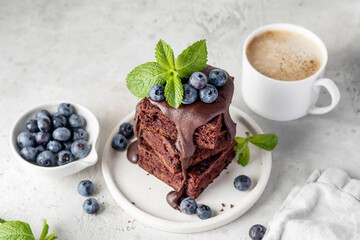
x,y
221,210
231,206
223,204
132,203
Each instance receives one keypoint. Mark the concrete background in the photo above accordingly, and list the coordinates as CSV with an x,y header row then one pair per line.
x,y
81,51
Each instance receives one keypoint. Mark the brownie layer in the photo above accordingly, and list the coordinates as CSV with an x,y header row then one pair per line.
x,y
166,151
198,177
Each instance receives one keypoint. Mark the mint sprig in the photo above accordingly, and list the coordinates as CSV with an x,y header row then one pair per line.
x,y
22,231
264,141
168,71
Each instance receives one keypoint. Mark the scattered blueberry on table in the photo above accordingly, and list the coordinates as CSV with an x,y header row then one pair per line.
x,y
86,188
242,183
189,206
54,140
257,232
126,129
91,206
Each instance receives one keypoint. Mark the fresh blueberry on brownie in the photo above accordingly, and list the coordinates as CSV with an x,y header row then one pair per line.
x,y
126,129
86,188
190,94
91,206
218,77
242,183
208,94
257,232
157,92
188,206
198,80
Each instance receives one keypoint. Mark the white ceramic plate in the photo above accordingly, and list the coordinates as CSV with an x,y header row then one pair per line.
x,y
92,128
143,196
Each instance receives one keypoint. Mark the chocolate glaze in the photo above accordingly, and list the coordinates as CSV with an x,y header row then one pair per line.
x,y
187,119
132,152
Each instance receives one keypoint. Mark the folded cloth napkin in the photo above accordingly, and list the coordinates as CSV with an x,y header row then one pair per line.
x,y
326,207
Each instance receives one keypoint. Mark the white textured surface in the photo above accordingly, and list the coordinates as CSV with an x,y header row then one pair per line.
x,y
82,51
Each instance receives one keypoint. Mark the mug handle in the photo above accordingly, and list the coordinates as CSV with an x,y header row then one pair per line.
x,y
334,93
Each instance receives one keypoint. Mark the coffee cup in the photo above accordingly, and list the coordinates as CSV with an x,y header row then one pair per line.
x,y
285,99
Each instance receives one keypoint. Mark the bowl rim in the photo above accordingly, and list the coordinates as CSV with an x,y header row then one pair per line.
x,y
88,161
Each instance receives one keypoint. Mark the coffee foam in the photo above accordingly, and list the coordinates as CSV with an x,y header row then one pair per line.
x,y
284,55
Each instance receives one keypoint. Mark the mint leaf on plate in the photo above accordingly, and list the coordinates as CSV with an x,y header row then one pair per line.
x,y
174,91
143,77
192,59
164,55
241,143
264,141
244,156
16,230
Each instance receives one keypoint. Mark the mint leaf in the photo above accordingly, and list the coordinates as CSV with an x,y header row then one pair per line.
x,y
241,143
164,55
51,236
16,230
2,221
264,141
143,77
192,59
244,156
174,91
45,230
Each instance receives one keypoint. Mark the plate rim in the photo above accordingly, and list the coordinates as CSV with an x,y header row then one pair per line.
x,y
177,226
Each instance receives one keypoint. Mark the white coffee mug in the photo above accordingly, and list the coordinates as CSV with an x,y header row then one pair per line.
x,y
286,100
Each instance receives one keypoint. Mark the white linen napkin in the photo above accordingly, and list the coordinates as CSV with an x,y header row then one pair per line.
x,y
326,207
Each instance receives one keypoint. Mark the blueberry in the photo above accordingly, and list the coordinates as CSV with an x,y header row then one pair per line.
x,y
31,126
28,153
242,183
190,94
218,77
198,80
208,94
65,109
86,188
42,113
42,138
44,124
257,232
126,129
203,211
64,157
59,121
40,148
76,121
119,142
61,134
56,114
54,146
80,148
91,206
157,92
25,139
45,159
79,134
188,206
67,145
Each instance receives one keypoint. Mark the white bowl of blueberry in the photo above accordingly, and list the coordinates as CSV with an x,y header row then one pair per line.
x,y
56,139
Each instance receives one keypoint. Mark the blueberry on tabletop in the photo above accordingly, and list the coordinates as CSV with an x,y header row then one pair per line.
x,y
119,142
28,153
59,121
126,129
44,124
76,121
42,113
31,126
80,148
79,134
188,206
54,146
42,138
65,109
208,94
190,94
218,77
198,80
26,139
45,159
203,211
86,188
242,183
257,232
157,92
40,148
64,157
61,134
91,206
67,145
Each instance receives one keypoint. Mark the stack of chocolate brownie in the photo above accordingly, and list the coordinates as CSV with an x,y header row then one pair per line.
x,y
159,155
